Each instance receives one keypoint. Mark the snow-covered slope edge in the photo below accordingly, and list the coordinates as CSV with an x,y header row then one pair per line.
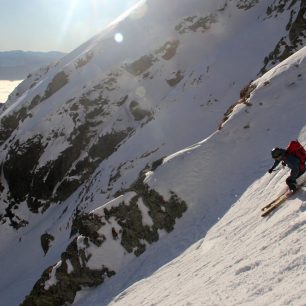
x,y
244,259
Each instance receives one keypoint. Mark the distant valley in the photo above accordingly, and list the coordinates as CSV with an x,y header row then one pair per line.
x,y
6,87
16,65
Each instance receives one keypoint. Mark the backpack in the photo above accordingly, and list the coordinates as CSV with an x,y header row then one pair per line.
x,y
294,147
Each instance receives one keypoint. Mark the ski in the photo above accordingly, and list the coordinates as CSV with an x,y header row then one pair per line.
x,y
279,200
274,201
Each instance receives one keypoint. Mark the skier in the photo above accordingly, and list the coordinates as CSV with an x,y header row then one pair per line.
x,y
289,158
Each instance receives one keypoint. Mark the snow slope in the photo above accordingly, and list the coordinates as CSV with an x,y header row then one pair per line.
x,y
77,136
244,259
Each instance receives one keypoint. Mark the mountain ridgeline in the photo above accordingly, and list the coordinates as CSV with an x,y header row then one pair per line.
x,y
17,65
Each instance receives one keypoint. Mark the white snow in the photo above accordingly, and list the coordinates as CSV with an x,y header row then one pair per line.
x,y
146,219
244,259
69,266
52,280
221,251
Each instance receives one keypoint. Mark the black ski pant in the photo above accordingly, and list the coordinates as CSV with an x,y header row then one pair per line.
x,y
291,180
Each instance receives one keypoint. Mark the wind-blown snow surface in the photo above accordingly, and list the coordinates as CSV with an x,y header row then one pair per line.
x,y
192,59
244,259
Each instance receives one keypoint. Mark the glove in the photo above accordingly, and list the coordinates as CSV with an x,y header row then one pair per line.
x,y
270,170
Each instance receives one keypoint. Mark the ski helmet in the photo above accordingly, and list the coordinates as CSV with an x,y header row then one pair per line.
x,y
276,152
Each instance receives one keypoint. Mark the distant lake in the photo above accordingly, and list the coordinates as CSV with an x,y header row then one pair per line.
x,y
6,87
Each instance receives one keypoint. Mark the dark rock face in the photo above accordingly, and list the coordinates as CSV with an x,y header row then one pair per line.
x,y
20,165
196,24
40,185
46,240
10,123
88,226
69,278
244,96
296,29
139,113
59,284
129,217
58,82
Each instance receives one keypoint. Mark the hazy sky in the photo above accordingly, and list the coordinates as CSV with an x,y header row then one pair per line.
x,y
57,25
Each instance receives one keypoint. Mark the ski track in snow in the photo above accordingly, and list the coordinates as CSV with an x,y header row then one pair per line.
x,y
243,260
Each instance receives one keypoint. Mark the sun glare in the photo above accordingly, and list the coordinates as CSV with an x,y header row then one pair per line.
x,y
73,4
118,37
85,18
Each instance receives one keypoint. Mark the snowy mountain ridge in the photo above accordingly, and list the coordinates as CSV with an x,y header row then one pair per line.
x,y
244,259
86,191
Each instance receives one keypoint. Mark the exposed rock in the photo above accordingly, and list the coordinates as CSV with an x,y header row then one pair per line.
x,y
83,61
178,76
10,123
168,50
141,65
139,113
45,241
246,4
296,37
20,166
196,24
58,82
88,225
59,284
244,96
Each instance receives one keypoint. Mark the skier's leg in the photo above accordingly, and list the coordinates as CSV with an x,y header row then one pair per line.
x,y
291,182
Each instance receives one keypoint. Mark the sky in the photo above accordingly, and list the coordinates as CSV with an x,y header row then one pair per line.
x,y
55,25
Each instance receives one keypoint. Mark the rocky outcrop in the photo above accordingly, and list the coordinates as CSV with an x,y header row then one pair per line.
x,y
58,82
46,240
138,112
177,77
10,123
20,165
245,94
246,4
196,24
133,222
296,29
59,284
142,65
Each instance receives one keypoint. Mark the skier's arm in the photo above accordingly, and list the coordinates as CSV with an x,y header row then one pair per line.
x,y
276,163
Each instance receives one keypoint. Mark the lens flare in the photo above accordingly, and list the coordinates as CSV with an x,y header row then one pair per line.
x,y
118,37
